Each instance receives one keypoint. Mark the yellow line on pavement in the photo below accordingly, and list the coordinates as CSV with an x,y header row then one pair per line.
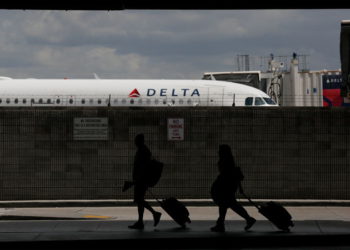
x,y
92,216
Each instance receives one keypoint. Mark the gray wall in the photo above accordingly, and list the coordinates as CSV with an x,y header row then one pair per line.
x,y
285,153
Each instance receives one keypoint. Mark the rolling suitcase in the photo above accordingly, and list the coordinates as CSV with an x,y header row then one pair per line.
x,y
175,209
275,213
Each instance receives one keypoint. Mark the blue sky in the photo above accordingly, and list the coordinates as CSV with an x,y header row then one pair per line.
x,y
170,44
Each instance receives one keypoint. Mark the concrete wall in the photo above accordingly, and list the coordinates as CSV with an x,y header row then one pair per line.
x,y
285,153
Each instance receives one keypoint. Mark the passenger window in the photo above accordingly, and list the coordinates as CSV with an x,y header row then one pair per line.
x,y
115,101
132,101
82,101
91,101
24,101
259,101
99,101
189,101
0,100
148,101
16,100
70,101
249,101
181,101
49,101
123,101
164,101
140,101
58,101
156,101
8,100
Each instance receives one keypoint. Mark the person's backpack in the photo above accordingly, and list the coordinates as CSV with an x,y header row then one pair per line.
x,y
154,172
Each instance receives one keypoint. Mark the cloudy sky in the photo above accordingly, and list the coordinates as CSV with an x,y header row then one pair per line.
x,y
160,44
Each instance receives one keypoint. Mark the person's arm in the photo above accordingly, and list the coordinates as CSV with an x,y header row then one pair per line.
x,y
240,189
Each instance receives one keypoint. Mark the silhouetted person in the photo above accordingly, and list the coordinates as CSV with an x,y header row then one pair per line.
x,y
224,189
141,161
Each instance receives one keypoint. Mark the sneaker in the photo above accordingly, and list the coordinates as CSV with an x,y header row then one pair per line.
x,y
250,223
220,228
138,225
156,218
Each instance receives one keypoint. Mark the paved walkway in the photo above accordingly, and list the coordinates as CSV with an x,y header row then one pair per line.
x,y
86,226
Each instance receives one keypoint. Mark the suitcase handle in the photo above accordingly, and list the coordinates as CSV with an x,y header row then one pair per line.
x,y
253,203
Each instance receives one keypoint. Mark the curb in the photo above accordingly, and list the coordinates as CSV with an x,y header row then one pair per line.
x,y
130,203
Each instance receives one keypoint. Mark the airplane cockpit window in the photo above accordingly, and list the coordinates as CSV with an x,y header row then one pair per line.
x,y
259,101
269,101
249,101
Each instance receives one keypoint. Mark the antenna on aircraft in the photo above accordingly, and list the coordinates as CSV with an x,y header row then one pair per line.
x,y
96,76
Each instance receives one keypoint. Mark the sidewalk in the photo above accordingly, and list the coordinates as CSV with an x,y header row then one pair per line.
x,y
87,226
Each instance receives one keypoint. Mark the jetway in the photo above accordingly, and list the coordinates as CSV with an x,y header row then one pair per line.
x,y
345,57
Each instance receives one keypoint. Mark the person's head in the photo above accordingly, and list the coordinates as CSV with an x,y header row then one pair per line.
x,y
139,140
225,151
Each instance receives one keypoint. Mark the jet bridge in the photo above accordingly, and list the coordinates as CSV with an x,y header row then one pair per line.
x,y
345,57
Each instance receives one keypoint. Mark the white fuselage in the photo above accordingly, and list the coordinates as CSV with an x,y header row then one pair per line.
x,y
145,93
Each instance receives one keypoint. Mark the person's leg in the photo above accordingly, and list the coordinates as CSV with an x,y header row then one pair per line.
x,y
220,223
156,215
239,209
222,215
140,210
139,200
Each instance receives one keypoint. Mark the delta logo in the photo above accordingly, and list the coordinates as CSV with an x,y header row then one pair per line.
x,y
166,92
134,93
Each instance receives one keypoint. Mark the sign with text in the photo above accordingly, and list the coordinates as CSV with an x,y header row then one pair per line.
x,y
90,128
175,129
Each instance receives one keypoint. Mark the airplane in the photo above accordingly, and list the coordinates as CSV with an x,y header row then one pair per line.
x,y
129,93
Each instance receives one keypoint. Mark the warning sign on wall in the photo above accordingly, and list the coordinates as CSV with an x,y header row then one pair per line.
x,y
90,128
175,129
